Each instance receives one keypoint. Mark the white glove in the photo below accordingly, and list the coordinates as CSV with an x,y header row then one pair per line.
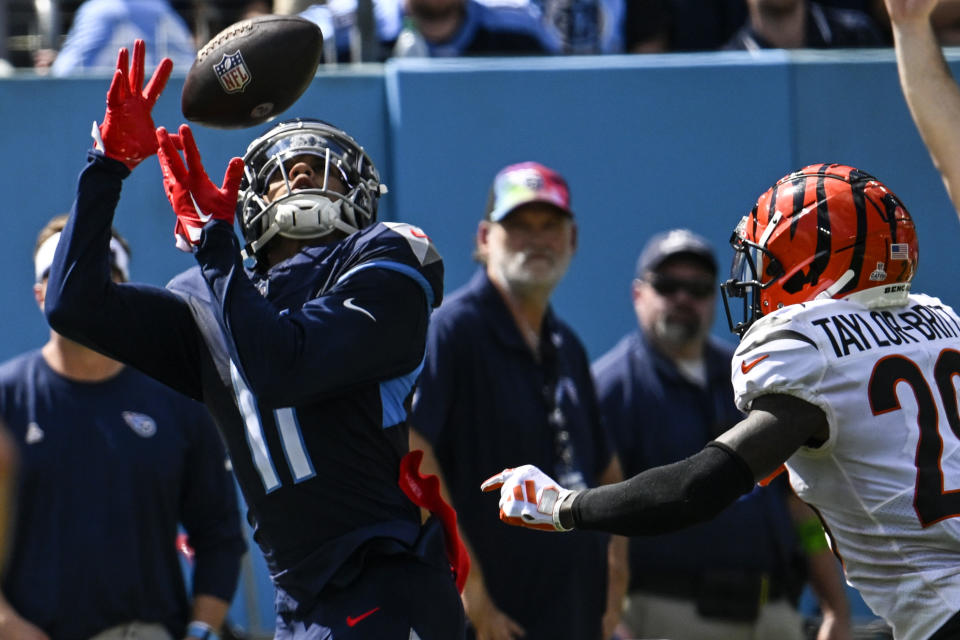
x,y
528,498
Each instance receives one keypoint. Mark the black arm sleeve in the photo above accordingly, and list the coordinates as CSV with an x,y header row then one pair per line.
x,y
663,499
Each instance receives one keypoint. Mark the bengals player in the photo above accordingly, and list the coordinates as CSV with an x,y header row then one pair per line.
x,y
846,377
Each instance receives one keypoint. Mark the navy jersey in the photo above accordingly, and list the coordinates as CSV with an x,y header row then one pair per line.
x,y
107,470
306,370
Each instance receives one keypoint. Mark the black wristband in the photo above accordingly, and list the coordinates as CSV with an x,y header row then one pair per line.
x,y
565,511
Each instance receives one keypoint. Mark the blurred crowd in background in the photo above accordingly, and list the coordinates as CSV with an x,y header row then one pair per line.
x,y
67,37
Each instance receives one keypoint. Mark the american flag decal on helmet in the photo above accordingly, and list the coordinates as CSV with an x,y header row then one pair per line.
x,y
232,72
899,251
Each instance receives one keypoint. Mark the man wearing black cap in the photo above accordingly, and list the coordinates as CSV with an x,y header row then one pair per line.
x,y
665,392
674,296
505,381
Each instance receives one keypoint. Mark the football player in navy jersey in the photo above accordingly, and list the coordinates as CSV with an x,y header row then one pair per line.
x,y
306,361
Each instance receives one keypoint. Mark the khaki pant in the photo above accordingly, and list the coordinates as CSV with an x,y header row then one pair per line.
x,y
134,631
648,616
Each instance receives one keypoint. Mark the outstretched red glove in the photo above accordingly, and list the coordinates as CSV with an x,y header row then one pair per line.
x,y
127,130
195,199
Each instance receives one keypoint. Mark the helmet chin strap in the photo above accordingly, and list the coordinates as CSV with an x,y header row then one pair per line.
x,y
837,286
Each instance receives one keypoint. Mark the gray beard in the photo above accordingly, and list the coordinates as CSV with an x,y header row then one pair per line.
x,y
524,283
676,334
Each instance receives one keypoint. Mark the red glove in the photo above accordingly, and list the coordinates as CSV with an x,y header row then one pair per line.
x,y
424,491
127,130
195,199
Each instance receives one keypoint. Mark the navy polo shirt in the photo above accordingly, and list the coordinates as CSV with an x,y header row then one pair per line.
x,y
107,471
656,416
483,404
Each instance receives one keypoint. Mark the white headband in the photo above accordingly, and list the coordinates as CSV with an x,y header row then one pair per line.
x,y
119,257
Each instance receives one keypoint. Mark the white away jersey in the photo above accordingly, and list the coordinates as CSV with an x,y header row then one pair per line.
x,y
887,482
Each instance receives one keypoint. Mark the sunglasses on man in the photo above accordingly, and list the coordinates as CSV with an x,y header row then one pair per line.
x,y
668,285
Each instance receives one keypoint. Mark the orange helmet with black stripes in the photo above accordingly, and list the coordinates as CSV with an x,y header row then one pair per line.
x,y
825,231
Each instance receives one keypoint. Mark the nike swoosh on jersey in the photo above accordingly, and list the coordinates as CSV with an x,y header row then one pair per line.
x,y
746,366
352,622
348,303
204,217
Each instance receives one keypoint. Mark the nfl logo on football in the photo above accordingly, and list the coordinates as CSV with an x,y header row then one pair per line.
x,y
232,72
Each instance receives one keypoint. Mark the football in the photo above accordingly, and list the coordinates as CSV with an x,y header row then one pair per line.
x,y
251,71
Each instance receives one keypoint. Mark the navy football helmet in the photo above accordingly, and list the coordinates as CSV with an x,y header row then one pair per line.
x,y
305,213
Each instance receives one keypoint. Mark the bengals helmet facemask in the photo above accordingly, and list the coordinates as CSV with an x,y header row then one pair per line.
x,y
825,231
